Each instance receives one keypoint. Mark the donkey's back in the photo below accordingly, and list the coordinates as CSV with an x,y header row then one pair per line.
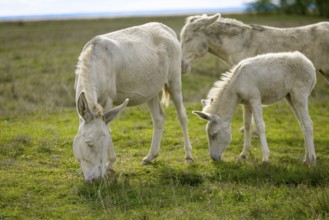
x,y
135,62
273,76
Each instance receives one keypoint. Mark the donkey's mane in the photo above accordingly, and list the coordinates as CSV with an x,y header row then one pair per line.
x,y
215,93
228,21
83,70
219,85
231,21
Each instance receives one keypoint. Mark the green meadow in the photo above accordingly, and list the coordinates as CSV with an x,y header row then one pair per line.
x,y
40,178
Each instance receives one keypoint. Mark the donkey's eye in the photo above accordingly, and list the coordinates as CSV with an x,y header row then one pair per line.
x,y
213,135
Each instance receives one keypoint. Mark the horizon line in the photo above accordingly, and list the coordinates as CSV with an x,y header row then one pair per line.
x,y
122,14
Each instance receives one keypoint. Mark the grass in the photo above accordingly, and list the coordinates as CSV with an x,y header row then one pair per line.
x,y
40,179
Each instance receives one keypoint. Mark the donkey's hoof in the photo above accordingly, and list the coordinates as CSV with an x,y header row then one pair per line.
x,y
266,162
189,160
242,157
146,162
309,162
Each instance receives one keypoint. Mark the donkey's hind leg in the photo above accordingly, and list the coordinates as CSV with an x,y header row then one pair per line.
x,y
299,104
158,124
177,97
254,131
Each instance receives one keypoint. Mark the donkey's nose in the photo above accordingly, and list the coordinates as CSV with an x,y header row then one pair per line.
x,y
185,67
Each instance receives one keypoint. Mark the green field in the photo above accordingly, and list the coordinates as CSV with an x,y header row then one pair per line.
x,y
40,178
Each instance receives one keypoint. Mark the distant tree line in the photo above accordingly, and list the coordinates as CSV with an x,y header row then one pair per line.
x,y
299,7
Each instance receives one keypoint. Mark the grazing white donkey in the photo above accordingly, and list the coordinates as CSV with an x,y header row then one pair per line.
x,y
233,41
132,64
264,79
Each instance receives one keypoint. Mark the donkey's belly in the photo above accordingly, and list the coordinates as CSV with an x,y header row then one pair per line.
x,y
141,86
139,93
135,98
273,97
273,90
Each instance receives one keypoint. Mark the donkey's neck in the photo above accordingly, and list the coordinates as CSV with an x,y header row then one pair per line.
x,y
216,45
213,41
224,105
228,103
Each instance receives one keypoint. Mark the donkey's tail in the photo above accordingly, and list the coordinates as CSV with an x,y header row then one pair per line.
x,y
165,96
325,75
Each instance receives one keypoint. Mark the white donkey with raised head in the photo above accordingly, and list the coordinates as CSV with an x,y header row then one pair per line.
x,y
264,79
132,64
232,41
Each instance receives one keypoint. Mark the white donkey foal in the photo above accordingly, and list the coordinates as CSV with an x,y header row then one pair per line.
x,y
264,79
136,64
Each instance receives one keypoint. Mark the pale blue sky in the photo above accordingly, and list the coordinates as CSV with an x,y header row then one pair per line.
x,y
42,7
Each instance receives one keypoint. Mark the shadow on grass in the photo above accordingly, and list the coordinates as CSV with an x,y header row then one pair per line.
x,y
254,173
294,141
168,187
128,191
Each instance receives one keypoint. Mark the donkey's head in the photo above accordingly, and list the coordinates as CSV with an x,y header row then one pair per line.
x,y
219,134
92,146
193,41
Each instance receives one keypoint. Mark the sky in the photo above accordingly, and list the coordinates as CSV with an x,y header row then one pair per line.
x,y
12,8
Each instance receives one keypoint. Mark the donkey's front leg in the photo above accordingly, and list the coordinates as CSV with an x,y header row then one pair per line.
x,y
158,123
247,132
111,156
257,112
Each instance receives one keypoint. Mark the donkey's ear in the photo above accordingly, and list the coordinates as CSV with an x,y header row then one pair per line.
x,y
206,102
114,112
213,18
83,108
207,116
204,116
204,21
